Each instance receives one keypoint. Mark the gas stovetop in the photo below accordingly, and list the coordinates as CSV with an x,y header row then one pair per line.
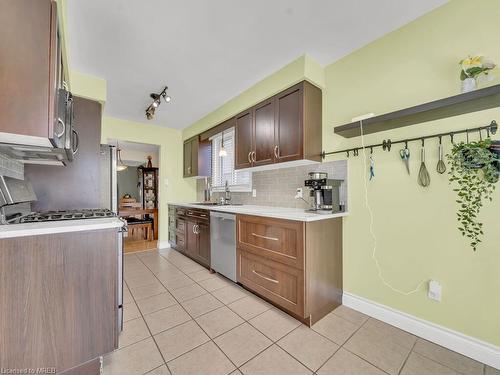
x,y
97,213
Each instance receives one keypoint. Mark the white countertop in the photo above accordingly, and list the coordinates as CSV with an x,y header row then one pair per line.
x,y
266,211
50,227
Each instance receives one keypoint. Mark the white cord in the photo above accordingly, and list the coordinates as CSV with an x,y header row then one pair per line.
x,y
372,233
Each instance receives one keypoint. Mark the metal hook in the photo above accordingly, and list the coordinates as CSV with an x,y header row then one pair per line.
x,y
467,134
423,142
371,150
493,127
451,137
440,139
347,153
480,134
406,144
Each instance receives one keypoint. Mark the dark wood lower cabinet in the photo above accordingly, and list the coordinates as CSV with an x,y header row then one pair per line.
x,y
58,300
297,266
192,233
203,253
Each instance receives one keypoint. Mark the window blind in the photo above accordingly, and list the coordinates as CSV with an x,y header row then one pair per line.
x,y
223,167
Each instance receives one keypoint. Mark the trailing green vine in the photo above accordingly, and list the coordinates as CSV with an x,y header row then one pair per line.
x,y
473,170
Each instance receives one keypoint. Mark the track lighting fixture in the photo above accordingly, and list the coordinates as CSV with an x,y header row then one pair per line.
x,y
150,111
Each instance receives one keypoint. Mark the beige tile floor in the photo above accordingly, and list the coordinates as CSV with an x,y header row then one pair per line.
x,y
180,319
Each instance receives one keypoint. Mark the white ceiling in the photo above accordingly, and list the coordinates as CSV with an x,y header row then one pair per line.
x,y
210,51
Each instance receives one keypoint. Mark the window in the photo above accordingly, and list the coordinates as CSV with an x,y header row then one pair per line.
x,y
223,167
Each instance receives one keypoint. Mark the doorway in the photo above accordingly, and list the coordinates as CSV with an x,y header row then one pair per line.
x,y
137,193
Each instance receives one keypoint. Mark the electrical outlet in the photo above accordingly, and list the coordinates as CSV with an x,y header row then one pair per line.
x,y
435,290
298,194
254,193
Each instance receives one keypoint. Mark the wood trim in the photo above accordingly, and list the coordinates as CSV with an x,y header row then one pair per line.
x,y
228,124
313,122
323,243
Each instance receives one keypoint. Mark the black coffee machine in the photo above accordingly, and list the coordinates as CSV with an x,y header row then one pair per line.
x,y
325,193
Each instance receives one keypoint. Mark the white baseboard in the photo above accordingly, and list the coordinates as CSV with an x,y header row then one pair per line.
x,y
163,244
476,349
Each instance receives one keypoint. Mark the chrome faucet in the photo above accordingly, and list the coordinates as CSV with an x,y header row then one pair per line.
x,y
227,194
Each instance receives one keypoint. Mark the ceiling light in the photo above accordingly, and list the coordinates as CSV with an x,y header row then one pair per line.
x,y
120,166
150,111
222,151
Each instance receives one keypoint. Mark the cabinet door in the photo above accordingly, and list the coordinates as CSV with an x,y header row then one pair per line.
x,y
204,243
194,156
264,133
188,159
244,140
289,124
28,47
191,238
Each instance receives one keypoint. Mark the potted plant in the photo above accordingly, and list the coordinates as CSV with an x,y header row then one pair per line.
x,y
472,68
473,169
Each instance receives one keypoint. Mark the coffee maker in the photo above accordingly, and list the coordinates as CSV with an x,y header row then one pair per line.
x,y
325,193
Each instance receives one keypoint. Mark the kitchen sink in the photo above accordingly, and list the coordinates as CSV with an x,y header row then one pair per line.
x,y
217,204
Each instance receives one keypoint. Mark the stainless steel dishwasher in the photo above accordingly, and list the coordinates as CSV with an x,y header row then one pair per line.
x,y
223,243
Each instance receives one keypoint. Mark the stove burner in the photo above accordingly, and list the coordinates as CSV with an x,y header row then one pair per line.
x,y
96,213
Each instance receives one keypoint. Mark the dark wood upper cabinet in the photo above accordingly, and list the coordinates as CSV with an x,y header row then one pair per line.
x,y
264,129
289,123
244,134
197,158
31,71
285,127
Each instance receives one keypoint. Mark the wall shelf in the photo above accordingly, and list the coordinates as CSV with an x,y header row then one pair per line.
x,y
474,101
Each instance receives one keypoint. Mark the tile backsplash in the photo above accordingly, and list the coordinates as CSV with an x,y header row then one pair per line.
x,y
11,168
278,187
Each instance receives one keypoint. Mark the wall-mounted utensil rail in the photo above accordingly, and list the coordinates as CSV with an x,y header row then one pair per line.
x,y
387,144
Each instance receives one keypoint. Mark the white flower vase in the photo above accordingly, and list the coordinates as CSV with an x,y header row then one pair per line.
x,y
468,85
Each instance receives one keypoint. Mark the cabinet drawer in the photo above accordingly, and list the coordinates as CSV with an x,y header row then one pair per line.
x,y
279,240
281,284
179,211
180,241
180,225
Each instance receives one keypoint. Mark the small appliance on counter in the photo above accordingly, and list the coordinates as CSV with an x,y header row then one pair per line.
x,y
325,193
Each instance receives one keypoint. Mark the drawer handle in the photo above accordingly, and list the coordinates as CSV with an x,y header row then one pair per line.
x,y
265,237
265,277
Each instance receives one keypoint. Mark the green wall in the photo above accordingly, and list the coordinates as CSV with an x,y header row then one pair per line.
x,y
415,227
303,68
172,186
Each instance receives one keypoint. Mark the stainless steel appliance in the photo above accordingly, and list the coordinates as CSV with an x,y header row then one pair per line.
x,y
64,138
223,243
325,193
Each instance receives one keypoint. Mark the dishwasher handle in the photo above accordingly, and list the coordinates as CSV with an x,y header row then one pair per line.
x,y
222,215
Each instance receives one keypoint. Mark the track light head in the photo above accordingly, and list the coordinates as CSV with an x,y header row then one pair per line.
x,y
150,111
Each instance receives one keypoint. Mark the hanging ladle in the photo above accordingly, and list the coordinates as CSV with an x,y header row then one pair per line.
x,y
441,166
423,175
